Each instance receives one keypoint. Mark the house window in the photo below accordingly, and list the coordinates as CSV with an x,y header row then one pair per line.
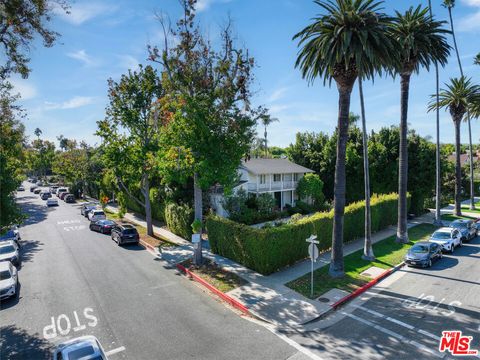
x,y
277,177
295,176
263,179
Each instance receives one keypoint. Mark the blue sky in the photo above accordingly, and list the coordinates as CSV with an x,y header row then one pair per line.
x,y
67,90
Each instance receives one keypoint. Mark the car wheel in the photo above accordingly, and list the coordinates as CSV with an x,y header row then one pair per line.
x,y
440,255
451,249
119,241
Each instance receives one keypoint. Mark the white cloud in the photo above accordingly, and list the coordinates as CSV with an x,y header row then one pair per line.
x,y
470,22
81,55
24,88
205,4
277,94
73,103
472,2
82,12
128,62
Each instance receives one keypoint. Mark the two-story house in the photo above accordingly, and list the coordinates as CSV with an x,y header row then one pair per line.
x,y
279,177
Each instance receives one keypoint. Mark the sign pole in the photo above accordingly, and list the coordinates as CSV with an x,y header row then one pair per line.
x,y
313,252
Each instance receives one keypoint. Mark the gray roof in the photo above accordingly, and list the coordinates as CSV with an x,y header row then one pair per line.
x,y
273,166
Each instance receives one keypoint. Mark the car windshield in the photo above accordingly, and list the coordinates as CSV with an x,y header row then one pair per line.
x,y
458,225
108,222
419,249
440,235
80,353
129,231
98,213
4,275
6,249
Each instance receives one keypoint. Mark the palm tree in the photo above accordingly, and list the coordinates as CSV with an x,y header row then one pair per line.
x,y
438,175
266,120
37,132
458,97
450,4
421,41
349,40
476,60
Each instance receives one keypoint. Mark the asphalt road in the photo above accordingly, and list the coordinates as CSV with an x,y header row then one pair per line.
x,y
76,282
403,317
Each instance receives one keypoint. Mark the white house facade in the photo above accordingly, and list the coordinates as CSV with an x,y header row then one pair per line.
x,y
278,177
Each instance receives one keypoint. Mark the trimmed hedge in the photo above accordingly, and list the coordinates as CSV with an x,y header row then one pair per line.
x,y
179,219
268,250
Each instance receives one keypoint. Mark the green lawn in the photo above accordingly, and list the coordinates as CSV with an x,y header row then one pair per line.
x,y
388,253
466,208
451,217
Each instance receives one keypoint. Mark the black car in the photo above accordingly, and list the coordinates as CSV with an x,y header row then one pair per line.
x,y
37,190
103,226
86,208
45,195
69,198
125,234
33,187
423,253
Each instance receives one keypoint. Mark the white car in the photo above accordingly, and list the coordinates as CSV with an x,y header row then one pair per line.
x,y
84,347
60,191
52,202
9,252
8,280
448,238
95,215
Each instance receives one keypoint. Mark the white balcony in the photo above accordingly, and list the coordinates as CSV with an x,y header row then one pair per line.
x,y
273,186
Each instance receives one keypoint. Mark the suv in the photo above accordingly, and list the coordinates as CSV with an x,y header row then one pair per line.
x,y
45,195
96,215
69,198
33,187
60,191
125,234
9,252
448,238
84,347
8,280
86,208
466,228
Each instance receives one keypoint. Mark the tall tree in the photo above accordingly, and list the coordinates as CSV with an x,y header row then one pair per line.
x,y
266,121
457,98
476,60
349,39
130,133
420,41
212,123
450,4
438,175
37,133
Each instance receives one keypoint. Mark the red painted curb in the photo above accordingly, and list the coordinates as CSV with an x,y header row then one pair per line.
x,y
367,286
147,245
236,304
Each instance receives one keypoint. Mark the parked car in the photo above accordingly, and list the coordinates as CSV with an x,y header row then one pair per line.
x,y
62,195
96,214
125,234
477,225
39,183
21,188
103,226
37,190
61,190
34,181
448,238
69,198
86,208
53,189
423,253
8,280
466,227
52,202
33,187
45,195
12,234
84,347
9,252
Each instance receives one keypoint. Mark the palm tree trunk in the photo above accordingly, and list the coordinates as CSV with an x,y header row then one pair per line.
x,y
148,206
336,263
402,232
458,168
367,247
472,194
266,148
197,199
438,174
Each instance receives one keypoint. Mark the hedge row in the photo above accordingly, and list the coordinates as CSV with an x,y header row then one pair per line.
x,y
268,250
179,219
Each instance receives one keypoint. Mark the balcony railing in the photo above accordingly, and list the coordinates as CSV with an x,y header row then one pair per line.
x,y
274,186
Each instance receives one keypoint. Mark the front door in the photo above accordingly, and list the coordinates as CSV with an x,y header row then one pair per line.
x,y
278,199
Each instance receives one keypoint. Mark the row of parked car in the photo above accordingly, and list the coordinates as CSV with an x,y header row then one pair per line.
x,y
10,260
120,233
445,239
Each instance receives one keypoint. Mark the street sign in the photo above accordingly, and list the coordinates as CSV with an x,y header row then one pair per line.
x,y
313,251
195,238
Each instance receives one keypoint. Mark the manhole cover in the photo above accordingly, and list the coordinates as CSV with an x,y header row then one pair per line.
x,y
323,299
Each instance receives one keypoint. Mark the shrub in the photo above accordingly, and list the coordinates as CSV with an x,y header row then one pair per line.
x,y
310,186
179,219
270,249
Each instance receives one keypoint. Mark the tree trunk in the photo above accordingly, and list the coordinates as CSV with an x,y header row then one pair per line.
x,y
455,40
197,199
367,248
336,263
148,206
266,148
458,168
402,232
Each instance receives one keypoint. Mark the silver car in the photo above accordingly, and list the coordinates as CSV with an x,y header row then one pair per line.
x,y
84,347
8,280
467,228
448,238
9,252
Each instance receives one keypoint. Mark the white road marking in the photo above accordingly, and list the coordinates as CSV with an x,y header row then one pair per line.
x,y
395,335
115,351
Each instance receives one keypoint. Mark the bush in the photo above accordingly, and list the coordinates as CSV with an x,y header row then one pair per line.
x,y
270,249
179,219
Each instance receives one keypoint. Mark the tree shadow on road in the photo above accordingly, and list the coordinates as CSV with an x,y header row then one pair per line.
x,y
18,344
35,213
29,249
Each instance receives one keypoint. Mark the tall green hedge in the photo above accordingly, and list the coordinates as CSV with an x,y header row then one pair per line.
x,y
179,219
268,250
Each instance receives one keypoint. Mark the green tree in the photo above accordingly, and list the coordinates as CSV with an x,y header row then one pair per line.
x,y
129,133
311,186
212,124
348,40
476,60
457,98
420,41
266,121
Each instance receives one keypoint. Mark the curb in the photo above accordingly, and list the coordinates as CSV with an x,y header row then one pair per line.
x,y
235,303
147,245
367,286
